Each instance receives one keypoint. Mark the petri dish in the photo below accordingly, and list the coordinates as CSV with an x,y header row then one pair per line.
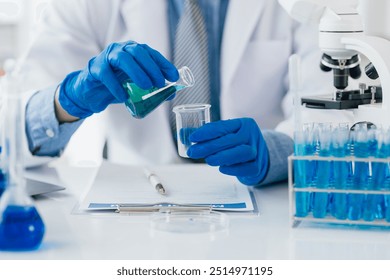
x,y
190,221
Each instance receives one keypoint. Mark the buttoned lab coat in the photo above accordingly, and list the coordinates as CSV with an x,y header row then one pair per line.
x,y
257,41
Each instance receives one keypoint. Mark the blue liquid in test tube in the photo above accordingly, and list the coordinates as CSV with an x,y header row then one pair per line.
x,y
380,175
360,173
386,184
324,175
304,170
374,203
301,178
341,171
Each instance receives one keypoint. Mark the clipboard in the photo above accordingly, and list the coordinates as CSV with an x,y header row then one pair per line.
x,y
121,188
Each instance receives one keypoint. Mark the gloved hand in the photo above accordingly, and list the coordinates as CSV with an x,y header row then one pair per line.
x,y
236,145
92,89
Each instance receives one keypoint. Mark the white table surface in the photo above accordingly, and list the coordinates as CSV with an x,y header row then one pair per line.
x,y
266,236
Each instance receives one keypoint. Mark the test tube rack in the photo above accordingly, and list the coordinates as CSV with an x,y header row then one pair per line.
x,y
363,199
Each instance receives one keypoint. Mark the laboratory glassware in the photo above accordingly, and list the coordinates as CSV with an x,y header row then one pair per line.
x,y
351,182
304,170
189,117
21,226
361,171
342,170
324,168
141,102
2,117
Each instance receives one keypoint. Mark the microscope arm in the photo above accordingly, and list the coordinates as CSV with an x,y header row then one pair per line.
x,y
377,50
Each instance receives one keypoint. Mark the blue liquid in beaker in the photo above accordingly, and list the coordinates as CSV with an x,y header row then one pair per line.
x,y
21,228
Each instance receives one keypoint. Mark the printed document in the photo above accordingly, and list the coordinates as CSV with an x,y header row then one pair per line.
x,y
185,184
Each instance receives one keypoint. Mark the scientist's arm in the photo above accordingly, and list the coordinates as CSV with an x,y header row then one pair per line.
x,y
91,90
88,91
46,137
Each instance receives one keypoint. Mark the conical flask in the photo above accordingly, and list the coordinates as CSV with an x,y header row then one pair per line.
x,y
2,123
141,102
21,226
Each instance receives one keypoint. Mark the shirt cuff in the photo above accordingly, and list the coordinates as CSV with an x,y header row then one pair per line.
x,y
46,137
280,146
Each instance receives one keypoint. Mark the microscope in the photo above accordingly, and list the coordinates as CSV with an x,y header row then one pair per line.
x,y
349,30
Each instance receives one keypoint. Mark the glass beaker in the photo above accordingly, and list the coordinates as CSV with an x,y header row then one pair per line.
x,y
21,226
141,102
188,118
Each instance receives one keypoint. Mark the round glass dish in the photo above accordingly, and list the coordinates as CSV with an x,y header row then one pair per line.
x,y
202,221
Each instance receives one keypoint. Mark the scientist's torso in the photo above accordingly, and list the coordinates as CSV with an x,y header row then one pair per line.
x,y
256,44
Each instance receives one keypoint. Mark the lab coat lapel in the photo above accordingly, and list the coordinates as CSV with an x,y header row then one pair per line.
x,y
240,22
151,29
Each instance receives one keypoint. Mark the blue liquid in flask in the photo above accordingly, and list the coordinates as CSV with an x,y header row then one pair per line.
x,y
3,182
21,228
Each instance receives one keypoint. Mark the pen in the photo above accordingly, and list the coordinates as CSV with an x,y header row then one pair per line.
x,y
154,180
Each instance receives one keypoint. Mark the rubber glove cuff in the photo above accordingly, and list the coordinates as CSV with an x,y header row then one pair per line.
x,y
65,99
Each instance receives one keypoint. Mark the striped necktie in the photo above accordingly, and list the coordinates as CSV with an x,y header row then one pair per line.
x,y
191,49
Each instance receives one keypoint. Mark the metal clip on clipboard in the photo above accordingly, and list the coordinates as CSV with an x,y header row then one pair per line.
x,y
162,208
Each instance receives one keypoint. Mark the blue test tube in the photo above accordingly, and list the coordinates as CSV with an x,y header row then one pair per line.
x,y
341,170
380,173
303,169
371,204
324,174
386,185
360,172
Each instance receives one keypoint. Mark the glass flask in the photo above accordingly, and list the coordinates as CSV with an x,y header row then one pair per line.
x,y
2,173
141,102
21,226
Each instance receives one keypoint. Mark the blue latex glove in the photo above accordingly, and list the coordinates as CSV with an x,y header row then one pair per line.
x,y
92,89
236,145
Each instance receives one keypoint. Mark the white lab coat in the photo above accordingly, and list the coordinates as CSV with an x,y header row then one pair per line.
x,y
258,39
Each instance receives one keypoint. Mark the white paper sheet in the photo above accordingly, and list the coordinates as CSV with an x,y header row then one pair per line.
x,y
185,184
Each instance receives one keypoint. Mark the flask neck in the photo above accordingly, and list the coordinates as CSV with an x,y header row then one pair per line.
x,y
186,78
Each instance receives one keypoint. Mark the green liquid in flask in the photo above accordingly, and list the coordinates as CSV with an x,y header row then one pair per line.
x,y
141,102
140,108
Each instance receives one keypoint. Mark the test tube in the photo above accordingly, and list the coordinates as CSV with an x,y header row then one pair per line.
x,y
341,170
304,170
360,172
386,185
324,174
375,203
372,201
300,176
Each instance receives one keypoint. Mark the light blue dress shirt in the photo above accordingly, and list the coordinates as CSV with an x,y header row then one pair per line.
x,y
47,137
